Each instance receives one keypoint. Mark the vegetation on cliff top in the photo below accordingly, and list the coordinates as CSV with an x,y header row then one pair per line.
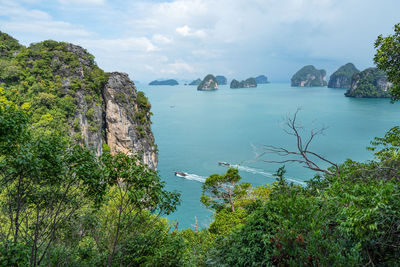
x,y
342,77
250,82
309,76
208,83
371,82
46,76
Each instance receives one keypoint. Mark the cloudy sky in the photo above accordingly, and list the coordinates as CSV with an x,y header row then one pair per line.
x,y
187,39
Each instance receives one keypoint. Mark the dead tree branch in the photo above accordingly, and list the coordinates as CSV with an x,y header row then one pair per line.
x,y
303,155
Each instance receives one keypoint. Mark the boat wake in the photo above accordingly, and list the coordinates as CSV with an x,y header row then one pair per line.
x,y
264,173
193,177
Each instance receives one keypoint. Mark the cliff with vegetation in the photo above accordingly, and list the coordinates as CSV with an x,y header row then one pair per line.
x,y
370,83
248,83
170,82
342,77
65,90
309,76
209,83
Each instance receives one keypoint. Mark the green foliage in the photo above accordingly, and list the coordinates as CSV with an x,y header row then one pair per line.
x,y
90,114
48,75
387,58
14,254
250,82
8,45
369,83
218,190
350,219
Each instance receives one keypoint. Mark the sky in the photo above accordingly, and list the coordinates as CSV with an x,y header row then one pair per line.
x,y
188,39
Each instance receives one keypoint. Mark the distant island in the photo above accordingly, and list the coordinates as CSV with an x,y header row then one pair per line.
x,y
209,83
164,82
370,83
262,79
195,82
342,77
250,82
309,76
221,80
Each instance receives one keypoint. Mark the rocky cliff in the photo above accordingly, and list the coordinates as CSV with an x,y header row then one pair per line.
x,y
309,76
342,77
66,91
208,83
370,83
127,119
248,83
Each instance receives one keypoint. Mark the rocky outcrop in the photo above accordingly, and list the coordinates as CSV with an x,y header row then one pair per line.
x,y
69,93
262,79
164,82
195,82
250,82
309,76
370,83
127,119
342,77
209,83
221,80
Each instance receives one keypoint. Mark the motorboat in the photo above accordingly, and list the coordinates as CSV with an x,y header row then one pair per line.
x,y
223,163
180,174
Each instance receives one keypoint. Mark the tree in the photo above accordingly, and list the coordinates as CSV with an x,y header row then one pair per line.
x,y
219,190
44,181
137,191
387,58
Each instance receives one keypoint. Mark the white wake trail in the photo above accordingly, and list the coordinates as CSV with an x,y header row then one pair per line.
x,y
193,177
264,173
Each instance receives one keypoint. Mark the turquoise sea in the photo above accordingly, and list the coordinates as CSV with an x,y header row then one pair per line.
x,y
195,129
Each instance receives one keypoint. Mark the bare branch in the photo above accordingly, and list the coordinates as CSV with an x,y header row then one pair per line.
x,y
303,155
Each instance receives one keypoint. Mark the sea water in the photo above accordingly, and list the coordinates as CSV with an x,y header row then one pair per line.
x,y
196,129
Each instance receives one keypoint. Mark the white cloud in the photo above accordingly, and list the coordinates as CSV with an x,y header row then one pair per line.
x,y
132,44
82,2
177,68
159,38
186,31
35,25
196,37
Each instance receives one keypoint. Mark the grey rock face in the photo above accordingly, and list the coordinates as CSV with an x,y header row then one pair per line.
x,y
127,119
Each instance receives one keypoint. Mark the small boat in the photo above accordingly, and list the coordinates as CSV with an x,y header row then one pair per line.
x,y
180,174
223,163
